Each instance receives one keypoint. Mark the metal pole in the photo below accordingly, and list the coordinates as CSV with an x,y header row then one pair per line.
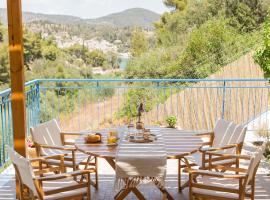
x,y
223,100
37,101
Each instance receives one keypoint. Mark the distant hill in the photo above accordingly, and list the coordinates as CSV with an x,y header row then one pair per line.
x,y
128,18
30,17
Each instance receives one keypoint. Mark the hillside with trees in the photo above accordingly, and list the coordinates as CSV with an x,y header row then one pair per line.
x,y
197,38
44,59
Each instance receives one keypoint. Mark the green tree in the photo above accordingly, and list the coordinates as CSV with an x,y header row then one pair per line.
x,y
1,32
139,42
4,59
262,55
4,62
174,27
96,58
78,51
207,48
176,4
246,15
113,60
32,47
50,52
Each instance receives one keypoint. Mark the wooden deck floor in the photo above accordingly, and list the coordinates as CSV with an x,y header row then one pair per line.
x,y
107,192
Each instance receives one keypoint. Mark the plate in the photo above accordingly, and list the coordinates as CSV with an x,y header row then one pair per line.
x,y
141,139
112,144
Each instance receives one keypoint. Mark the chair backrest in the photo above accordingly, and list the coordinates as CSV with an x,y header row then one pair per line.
x,y
24,169
226,133
255,161
47,133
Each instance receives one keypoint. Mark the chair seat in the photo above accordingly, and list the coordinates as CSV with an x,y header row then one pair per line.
x,y
196,158
218,182
47,151
79,158
59,184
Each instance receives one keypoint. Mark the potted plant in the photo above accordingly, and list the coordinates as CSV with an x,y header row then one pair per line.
x,y
264,134
171,121
31,148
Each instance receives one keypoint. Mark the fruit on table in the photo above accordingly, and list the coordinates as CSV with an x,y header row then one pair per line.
x,y
112,140
92,138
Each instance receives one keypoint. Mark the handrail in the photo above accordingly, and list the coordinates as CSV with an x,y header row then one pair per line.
x,y
96,101
38,81
8,91
154,80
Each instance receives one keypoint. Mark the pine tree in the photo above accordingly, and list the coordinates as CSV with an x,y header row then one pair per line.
x,y
4,72
139,43
176,4
1,32
246,15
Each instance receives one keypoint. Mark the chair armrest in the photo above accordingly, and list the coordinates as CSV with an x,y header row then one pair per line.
x,y
41,170
205,134
75,133
233,169
40,159
229,156
57,147
207,149
65,175
216,174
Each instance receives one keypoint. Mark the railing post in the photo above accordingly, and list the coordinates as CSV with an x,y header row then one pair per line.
x,y
157,102
5,128
2,152
37,101
98,90
223,99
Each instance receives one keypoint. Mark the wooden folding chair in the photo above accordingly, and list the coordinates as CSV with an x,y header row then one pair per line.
x,y
41,185
237,184
50,140
226,137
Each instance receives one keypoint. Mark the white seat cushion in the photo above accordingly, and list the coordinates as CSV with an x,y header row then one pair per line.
x,y
48,152
61,183
217,182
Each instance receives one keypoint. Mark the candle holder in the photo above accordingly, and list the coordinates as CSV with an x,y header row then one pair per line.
x,y
139,123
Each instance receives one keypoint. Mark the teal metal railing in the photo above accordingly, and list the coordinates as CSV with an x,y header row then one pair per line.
x,y
81,104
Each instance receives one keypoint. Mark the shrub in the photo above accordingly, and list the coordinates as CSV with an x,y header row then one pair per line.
x,y
171,121
262,55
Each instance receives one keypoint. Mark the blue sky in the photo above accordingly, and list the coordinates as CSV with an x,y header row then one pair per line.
x,y
87,8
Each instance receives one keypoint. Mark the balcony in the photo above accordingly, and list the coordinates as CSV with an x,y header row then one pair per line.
x,y
90,104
